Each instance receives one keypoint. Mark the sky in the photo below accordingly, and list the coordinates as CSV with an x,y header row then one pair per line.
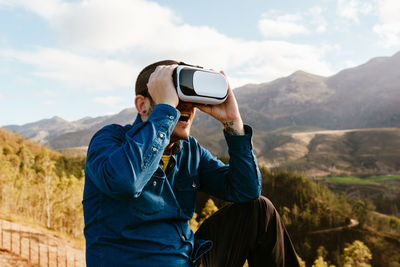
x,y
80,58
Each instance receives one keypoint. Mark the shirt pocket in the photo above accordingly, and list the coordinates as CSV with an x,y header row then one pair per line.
x,y
186,189
151,200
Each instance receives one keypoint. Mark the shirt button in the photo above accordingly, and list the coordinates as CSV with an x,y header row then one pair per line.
x,y
154,183
183,238
161,135
171,117
194,185
154,149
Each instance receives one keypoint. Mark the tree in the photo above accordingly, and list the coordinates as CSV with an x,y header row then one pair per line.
x,y
301,262
26,157
46,172
361,209
67,213
321,251
394,223
357,254
320,262
8,150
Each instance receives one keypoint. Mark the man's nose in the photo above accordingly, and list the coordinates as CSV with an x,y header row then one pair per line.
x,y
185,105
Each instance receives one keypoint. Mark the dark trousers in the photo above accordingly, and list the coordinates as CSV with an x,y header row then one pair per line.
x,y
251,230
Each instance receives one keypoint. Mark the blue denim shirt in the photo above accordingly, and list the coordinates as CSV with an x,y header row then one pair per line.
x,y
138,215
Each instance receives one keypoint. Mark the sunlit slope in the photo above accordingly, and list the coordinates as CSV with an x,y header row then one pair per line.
x,y
340,152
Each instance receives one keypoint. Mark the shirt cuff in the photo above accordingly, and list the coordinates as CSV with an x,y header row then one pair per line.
x,y
161,111
240,142
165,114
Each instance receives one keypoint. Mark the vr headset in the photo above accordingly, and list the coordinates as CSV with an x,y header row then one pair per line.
x,y
197,85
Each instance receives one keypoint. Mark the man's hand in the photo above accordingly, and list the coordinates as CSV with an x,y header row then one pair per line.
x,y
227,113
161,87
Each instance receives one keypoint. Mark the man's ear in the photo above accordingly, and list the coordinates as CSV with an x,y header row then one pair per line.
x,y
143,106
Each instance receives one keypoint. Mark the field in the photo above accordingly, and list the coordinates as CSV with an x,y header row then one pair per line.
x,y
383,191
388,181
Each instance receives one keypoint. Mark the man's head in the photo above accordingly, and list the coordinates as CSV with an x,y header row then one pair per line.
x,y
144,75
145,104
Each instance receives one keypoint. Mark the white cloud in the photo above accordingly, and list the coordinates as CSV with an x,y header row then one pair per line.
x,y
104,25
281,26
1,96
291,57
275,24
44,8
316,18
81,72
389,27
352,9
106,43
111,101
49,102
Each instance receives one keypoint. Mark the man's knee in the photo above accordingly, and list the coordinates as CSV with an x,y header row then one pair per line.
x,y
259,207
261,203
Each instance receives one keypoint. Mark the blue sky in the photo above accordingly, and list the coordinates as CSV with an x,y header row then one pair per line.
x,y
80,58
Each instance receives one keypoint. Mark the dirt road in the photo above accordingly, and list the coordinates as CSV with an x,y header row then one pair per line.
x,y
353,223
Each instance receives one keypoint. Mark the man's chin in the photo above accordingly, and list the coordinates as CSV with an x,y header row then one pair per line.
x,y
179,136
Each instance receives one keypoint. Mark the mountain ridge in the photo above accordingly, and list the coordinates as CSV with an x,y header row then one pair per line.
x,y
362,97
334,102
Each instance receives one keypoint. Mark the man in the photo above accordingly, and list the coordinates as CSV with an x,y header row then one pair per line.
x,y
141,182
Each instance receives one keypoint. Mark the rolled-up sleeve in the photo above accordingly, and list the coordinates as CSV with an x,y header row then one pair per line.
x,y
240,180
120,163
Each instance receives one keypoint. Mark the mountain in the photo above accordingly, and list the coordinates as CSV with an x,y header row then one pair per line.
x,y
331,152
44,130
59,133
82,136
363,97
366,96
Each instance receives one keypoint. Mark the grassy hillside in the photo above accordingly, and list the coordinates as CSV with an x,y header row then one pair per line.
x,y
382,191
344,152
41,184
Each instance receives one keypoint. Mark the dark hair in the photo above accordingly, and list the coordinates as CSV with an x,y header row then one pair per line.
x,y
144,75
